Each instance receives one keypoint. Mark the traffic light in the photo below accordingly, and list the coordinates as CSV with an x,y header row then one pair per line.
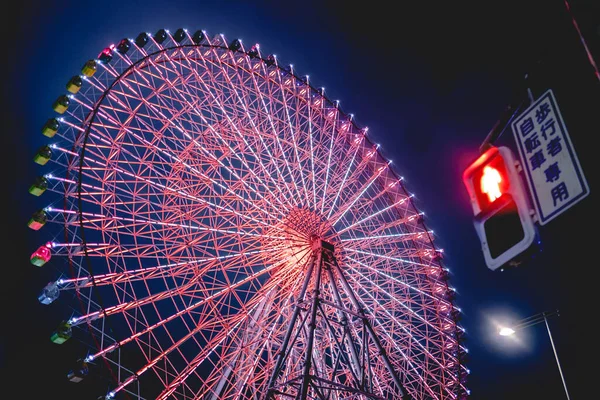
x,y
501,207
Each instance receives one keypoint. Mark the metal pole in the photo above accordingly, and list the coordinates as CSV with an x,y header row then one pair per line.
x,y
311,330
347,333
288,334
556,357
529,92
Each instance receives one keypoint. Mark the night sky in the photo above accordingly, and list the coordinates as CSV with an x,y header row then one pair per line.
x,y
429,79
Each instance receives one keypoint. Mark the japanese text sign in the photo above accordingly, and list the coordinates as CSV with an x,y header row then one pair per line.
x,y
555,178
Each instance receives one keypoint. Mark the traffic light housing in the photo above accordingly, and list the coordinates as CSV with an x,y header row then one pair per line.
x,y
500,205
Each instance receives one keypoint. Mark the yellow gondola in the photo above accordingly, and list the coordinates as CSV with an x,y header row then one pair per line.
x,y
74,84
43,155
50,127
89,68
61,104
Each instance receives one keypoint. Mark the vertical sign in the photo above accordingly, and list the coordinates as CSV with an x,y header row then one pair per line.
x,y
554,175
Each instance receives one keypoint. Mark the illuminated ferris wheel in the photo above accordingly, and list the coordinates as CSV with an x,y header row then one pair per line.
x,y
228,232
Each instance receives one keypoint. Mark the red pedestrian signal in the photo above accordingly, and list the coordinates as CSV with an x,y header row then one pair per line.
x,y
500,205
490,183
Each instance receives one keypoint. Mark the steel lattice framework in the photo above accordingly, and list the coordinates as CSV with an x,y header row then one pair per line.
x,y
191,179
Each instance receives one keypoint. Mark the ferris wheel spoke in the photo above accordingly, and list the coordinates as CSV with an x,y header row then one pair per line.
x,y
310,141
214,91
440,312
271,116
392,246
395,225
219,341
237,347
389,276
333,115
239,180
190,106
172,157
209,349
385,292
161,187
240,386
125,57
393,349
268,116
386,257
123,307
343,182
286,278
174,245
192,288
338,215
380,204
391,238
347,181
198,174
286,108
376,308
268,325
156,272
131,195
373,215
210,298
118,226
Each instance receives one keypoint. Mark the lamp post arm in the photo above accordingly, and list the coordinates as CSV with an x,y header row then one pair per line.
x,y
533,320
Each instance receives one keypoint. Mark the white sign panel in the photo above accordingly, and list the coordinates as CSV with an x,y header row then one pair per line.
x,y
553,172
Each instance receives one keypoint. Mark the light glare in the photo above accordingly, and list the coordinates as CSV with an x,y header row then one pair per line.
x,y
506,331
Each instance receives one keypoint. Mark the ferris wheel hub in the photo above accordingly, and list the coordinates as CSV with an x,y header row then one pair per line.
x,y
319,244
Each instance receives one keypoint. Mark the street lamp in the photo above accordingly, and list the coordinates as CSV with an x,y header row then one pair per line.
x,y
505,331
533,320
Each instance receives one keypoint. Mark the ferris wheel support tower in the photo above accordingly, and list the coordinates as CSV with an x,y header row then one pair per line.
x,y
322,374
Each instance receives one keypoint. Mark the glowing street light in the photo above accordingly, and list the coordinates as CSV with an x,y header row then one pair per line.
x,y
533,320
504,331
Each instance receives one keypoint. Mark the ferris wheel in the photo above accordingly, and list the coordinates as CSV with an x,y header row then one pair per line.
x,y
228,232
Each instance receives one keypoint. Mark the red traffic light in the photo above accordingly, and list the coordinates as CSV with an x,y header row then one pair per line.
x,y
500,205
487,179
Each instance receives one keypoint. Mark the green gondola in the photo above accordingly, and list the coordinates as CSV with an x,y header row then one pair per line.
x,y
50,127
89,68
74,84
62,333
39,186
37,220
43,155
61,104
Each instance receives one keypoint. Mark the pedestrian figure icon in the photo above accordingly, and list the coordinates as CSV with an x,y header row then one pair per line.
x,y
490,183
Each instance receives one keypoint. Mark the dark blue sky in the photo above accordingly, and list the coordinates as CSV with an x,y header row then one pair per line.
x,y
428,80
